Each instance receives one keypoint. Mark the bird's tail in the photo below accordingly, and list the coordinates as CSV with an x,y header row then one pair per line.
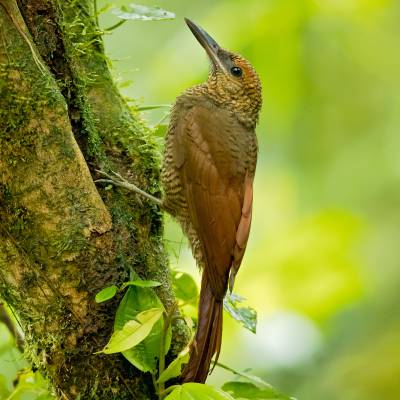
x,y
208,336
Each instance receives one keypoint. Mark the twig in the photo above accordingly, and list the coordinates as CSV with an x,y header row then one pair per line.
x,y
122,182
117,25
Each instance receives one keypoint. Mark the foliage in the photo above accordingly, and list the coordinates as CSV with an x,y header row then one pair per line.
x,y
324,239
140,339
143,13
325,229
133,332
175,367
106,294
30,386
136,300
247,316
241,390
197,391
185,287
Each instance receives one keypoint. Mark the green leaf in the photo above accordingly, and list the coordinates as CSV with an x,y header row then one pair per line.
x,y
185,287
124,84
257,380
247,390
137,299
197,391
160,129
31,385
133,331
246,316
258,388
106,294
4,392
141,283
174,369
252,378
144,356
142,13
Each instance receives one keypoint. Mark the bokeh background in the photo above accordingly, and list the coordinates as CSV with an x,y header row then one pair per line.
x,y
322,264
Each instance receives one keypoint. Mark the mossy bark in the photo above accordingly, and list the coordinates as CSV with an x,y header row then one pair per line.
x,y
61,238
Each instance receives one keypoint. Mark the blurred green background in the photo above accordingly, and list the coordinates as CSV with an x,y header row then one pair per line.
x,y
322,264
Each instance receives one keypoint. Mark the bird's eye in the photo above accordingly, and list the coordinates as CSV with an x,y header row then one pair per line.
x,y
236,71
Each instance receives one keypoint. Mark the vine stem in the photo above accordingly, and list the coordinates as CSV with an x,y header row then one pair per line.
x,y
168,390
12,10
223,366
96,13
161,360
254,379
115,26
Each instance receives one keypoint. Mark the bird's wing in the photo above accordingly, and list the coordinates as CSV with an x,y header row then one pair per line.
x,y
218,188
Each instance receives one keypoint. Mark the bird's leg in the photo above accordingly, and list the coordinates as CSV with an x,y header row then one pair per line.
x,y
117,180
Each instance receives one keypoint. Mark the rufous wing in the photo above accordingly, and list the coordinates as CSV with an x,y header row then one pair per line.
x,y
210,147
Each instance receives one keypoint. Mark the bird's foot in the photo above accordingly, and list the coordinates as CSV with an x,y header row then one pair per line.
x,y
114,178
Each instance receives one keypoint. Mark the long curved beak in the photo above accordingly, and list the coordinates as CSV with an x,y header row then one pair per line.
x,y
209,44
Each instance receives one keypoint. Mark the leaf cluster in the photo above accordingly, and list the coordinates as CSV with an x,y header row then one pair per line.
x,y
142,333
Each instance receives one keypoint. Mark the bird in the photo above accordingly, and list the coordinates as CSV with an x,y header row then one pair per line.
x,y
207,177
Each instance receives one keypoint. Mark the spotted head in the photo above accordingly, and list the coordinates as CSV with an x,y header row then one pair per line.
x,y
232,82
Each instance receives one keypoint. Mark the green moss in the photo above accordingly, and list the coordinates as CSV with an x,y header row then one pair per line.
x,y
28,96
82,42
12,214
69,259
71,242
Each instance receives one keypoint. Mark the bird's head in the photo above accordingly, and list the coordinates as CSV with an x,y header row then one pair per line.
x,y
232,82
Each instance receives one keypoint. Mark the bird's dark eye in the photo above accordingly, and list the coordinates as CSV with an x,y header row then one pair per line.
x,y
236,71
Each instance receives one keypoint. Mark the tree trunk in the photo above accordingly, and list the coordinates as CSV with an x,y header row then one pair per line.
x,y
61,238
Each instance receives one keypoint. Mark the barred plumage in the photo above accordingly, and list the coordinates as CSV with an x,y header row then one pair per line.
x,y
209,164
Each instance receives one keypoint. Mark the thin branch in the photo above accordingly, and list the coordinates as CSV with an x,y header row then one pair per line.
x,y
115,26
122,182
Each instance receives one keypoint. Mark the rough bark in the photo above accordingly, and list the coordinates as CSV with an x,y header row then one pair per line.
x,y
61,238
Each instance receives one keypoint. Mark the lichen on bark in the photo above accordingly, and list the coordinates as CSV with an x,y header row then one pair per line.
x,y
61,238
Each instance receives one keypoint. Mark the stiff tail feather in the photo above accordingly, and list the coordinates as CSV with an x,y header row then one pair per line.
x,y
207,341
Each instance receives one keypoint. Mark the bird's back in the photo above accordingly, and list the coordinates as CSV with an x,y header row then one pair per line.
x,y
208,155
